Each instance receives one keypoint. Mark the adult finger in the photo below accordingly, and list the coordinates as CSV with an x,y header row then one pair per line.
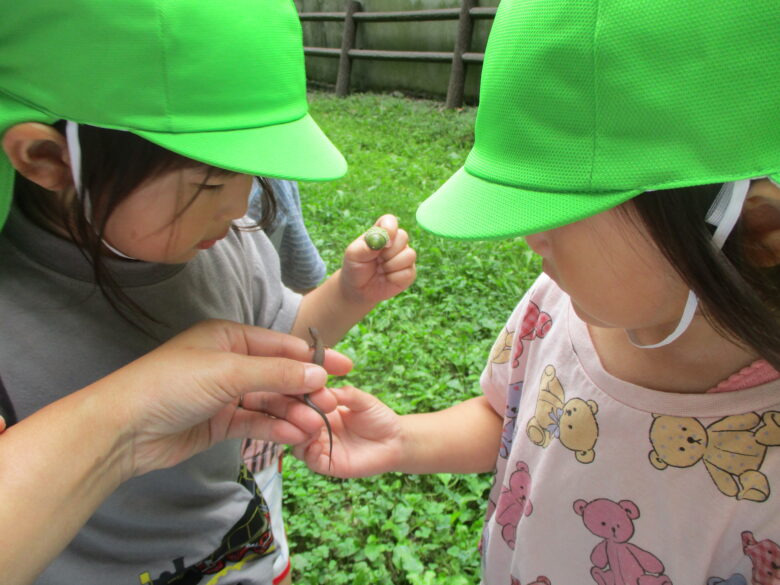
x,y
228,376
258,341
292,409
261,426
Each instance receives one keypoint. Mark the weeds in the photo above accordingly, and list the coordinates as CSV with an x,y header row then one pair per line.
x,y
420,351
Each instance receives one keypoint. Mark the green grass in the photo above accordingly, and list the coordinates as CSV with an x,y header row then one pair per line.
x,y
421,351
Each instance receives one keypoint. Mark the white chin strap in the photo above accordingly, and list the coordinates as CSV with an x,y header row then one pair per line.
x,y
723,215
74,149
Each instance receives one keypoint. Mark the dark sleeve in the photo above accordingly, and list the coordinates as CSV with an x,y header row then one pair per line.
x,y
6,406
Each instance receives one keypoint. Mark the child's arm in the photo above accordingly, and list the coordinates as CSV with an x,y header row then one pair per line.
x,y
369,438
366,277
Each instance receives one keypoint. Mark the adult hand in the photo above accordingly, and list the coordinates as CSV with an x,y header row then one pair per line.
x,y
155,412
219,380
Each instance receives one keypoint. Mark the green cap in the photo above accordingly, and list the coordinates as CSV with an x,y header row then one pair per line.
x,y
587,103
219,82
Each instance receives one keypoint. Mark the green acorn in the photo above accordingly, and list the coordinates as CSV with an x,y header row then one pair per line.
x,y
376,237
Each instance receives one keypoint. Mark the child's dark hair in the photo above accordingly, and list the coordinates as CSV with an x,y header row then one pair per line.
x,y
739,298
114,164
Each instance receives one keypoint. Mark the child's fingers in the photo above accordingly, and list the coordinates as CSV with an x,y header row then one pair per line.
x,y
360,247
401,279
354,399
312,453
404,259
397,244
389,222
359,251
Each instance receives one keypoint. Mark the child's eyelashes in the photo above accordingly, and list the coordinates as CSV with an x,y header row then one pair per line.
x,y
209,187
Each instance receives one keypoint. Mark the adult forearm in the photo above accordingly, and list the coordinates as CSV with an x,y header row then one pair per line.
x,y
59,464
56,467
464,438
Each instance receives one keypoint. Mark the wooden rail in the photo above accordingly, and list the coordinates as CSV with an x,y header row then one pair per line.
x,y
401,16
458,58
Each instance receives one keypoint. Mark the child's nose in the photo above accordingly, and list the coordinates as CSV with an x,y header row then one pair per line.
x,y
537,242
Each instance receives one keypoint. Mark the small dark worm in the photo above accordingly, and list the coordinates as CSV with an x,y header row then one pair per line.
x,y
319,359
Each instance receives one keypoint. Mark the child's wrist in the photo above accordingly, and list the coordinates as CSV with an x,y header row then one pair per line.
x,y
410,452
352,297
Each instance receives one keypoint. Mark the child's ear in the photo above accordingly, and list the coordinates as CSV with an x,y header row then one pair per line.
x,y
40,154
761,223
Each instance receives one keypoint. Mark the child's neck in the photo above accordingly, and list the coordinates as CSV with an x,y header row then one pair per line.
x,y
694,363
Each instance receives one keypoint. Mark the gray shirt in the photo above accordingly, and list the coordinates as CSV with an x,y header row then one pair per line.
x,y
182,525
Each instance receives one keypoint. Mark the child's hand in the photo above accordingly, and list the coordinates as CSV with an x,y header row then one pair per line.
x,y
371,276
366,438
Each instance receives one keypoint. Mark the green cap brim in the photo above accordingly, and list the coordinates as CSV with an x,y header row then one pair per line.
x,y
467,207
296,150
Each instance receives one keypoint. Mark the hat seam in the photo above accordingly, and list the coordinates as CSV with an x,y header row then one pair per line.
x,y
27,103
550,191
674,184
54,116
219,130
164,61
594,72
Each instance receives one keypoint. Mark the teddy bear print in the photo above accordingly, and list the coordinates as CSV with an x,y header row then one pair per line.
x,y
514,502
615,560
501,351
735,579
491,508
572,421
535,324
510,418
732,449
539,581
765,556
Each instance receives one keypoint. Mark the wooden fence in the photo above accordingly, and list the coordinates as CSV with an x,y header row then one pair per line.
x,y
459,57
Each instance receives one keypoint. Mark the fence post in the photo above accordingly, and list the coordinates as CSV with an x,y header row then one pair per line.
x,y
462,45
347,44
